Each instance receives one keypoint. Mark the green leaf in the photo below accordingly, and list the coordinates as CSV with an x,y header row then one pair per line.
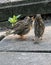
x,y
10,20
14,19
18,16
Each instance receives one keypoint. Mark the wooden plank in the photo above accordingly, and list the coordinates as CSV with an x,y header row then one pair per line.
x,y
25,8
12,58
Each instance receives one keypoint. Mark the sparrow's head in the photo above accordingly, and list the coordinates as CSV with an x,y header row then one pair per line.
x,y
27,18
38,17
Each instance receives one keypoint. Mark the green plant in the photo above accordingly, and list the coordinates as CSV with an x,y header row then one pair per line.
x,y
13,19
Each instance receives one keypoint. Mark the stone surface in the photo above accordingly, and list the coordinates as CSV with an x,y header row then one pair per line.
x,y
12,42
8,58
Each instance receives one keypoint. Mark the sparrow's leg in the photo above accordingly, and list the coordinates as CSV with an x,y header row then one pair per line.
x,y
36,40
41,38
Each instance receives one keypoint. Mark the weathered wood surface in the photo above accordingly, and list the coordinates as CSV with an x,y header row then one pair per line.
x,y
12,58
24,7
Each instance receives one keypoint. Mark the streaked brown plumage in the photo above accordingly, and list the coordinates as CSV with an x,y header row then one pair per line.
x,y
39,26
22,27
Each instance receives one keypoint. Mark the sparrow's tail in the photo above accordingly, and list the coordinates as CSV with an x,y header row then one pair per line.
x,y
1,37
8,32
